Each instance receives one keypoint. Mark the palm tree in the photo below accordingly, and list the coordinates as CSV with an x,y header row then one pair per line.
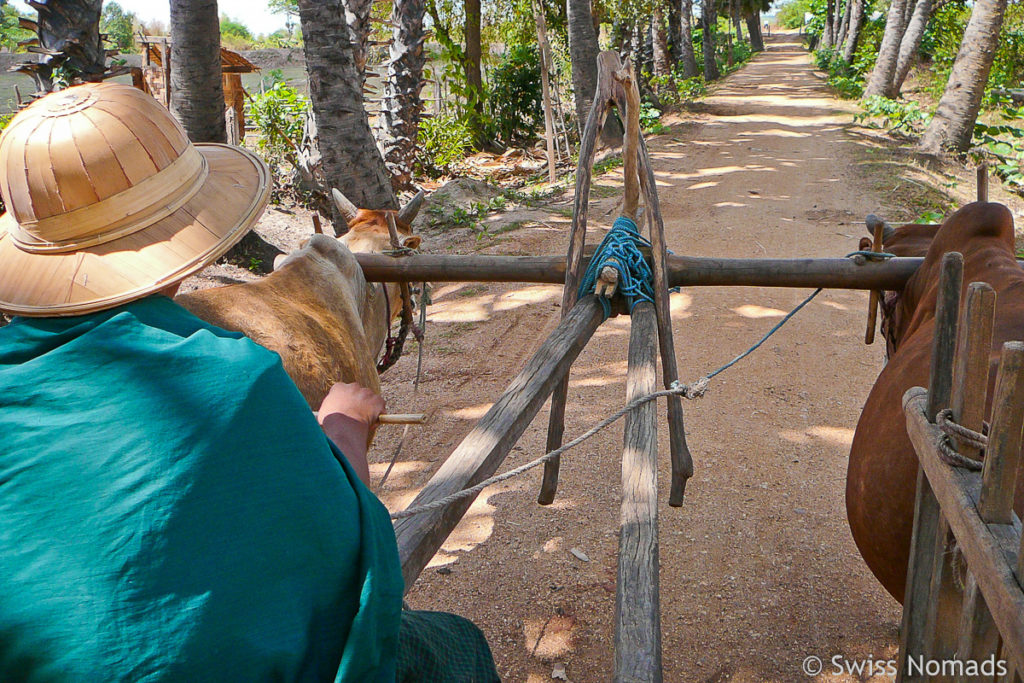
x,y
197,91
401,106
880,82
853,30
357,15
686,44
910,43
583,52
351,160
708,22
953,124
68,36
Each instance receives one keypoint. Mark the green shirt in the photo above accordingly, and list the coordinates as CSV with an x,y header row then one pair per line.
x,y
170,510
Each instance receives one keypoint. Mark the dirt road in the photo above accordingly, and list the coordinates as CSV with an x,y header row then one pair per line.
x,y
758,570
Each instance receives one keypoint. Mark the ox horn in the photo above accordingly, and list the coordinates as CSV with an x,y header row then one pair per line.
x,y
408,212
887,230
346,208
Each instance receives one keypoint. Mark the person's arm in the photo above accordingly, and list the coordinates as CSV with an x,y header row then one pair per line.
x,y
346,415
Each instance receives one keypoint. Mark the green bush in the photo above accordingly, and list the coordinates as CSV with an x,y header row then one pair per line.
x,y
650,116
515,95
443,139
843,77
906,117
791,14
278,114
1004,143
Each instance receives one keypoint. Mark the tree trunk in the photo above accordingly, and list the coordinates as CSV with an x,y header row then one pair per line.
x,y
351,160
853,32
357,16
675,32
69,36
953,124
844,25
910,43
708,19
737,24
661,56
401,105
754,29
827,38
686,44
583,52
197,90
880,82
471,31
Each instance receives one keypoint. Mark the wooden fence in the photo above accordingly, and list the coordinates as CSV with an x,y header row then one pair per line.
x,y
963,614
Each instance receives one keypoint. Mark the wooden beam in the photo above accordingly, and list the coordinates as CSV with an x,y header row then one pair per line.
x,y
484,448
927,529
683,271
637,604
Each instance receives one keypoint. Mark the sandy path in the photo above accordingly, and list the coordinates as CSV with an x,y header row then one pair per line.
x,y
758,567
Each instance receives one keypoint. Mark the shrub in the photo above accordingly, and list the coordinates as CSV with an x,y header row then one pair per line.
x,y
791,14
443,139
278,114
515,95
1005,144
907,117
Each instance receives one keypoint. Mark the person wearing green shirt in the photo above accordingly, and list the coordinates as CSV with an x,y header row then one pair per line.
x,y
170,509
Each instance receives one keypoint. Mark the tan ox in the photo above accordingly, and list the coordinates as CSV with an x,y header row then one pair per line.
x,y
316,309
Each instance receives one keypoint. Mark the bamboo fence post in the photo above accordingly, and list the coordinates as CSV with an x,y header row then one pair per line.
x,y
637,603
574,258
926,506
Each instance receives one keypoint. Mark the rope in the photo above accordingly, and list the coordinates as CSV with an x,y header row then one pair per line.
x,y
689,391
679,389
620,249
964,435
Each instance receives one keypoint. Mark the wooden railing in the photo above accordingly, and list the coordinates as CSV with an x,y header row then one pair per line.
x,y
963,614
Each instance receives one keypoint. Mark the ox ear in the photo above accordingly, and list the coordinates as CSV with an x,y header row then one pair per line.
x,y
279,260
408,212
887,230
346,208
412,242
865,244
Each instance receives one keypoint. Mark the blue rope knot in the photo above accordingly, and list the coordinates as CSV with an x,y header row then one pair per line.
x,y
620,249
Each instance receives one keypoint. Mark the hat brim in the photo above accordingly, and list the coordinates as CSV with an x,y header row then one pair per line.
x,y
230,201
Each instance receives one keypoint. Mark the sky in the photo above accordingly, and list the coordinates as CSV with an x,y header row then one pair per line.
x,y
252,13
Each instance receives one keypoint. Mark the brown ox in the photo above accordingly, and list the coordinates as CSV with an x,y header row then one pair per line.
x,y
882,473
316,310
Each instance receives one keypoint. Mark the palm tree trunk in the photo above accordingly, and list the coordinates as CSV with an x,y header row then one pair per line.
x,y
357,15
675,32
583,52
351,160
708,19
953,124
197,90
754,29
686,44
910,43
401,104
844,25
660,43
880,82
827,36
853,32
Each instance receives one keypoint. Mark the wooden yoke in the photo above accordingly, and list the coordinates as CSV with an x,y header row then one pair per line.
x,y
607,62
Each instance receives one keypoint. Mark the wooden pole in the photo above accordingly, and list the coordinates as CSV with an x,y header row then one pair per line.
x,y
545,61
683,271
574,259
926,528
637,603
983,182
484,448
877,228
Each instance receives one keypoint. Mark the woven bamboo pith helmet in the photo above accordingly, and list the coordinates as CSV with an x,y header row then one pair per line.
x,y
108,201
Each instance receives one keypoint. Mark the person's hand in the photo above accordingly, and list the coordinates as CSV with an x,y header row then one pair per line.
x,y
354,401
348,415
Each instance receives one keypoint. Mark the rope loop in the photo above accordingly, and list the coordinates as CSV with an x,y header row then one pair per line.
x,y
968,437
620,249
